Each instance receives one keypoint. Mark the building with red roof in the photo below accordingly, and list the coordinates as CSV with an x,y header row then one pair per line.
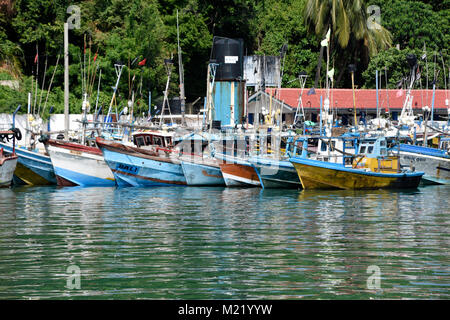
x,y
341,101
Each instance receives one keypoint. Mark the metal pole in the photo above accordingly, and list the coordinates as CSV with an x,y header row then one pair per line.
x,y
181,72
28,120
432,102
320,126
98,90
66,81
14,126
149,105
376,83
354,99
119,68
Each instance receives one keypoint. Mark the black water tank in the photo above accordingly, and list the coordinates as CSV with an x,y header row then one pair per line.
x,y
229,54
216,124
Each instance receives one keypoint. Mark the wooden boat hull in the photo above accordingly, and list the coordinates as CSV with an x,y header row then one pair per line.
x,y
276,173
237,172
139,169
321,175
33,168
78,165
7,167
240,175
198,174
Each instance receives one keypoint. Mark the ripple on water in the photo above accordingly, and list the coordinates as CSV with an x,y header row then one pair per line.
x,y
222,243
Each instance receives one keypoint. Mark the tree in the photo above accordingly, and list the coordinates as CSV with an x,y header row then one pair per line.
x,y
397,68
414,23
351,39
282,23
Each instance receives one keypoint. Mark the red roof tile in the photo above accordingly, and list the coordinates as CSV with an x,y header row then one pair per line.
x,y
365,98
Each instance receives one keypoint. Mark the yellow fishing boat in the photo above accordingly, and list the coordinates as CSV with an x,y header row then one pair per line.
x,y
372,168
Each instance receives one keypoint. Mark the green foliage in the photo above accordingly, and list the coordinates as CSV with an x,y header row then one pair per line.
x,y
280,23
414,23
397,68
120,31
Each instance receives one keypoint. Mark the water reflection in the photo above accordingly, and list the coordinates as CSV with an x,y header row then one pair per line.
x,y
213,243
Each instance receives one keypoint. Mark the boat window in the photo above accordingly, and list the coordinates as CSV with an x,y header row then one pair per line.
x,y
383,143
140,141
157,141
323,146
370,149
168,141
148,140
363,149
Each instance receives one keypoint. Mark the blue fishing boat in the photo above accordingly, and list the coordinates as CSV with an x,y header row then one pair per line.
x,y
276,173
149,163
202,173
33,167
199,167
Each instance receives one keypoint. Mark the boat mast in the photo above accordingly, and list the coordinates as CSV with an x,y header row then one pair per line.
x,y
181,72
168,64
118,68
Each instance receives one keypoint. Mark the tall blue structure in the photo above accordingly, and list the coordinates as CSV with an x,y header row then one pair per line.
x,y
229,87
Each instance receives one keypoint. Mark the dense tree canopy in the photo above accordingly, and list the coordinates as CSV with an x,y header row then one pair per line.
x,y
127,32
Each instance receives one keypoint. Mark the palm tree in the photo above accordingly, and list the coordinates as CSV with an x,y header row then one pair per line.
x,y
350,33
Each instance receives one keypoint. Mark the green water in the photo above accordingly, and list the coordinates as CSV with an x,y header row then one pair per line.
x,y
223,243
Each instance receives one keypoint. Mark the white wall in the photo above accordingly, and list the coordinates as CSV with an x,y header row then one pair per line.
x,y
57,122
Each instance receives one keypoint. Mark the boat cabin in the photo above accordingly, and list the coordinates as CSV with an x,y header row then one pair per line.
x,y
373,156
192,143
340,150
153,139
445,145
373,147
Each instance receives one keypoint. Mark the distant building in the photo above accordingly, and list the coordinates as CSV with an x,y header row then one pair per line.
x,y
341,102
261,104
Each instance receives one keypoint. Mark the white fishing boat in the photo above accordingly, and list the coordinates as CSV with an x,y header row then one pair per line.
x,y
78,165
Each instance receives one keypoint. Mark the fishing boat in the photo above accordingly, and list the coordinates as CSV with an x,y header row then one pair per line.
x,y
372,168
238,172
8,161
8,164
276,173
199,167
232,153
202,173
148,163
33,166
78,165
434,162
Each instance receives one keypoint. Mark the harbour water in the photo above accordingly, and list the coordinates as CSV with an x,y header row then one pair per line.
x,y
224,243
